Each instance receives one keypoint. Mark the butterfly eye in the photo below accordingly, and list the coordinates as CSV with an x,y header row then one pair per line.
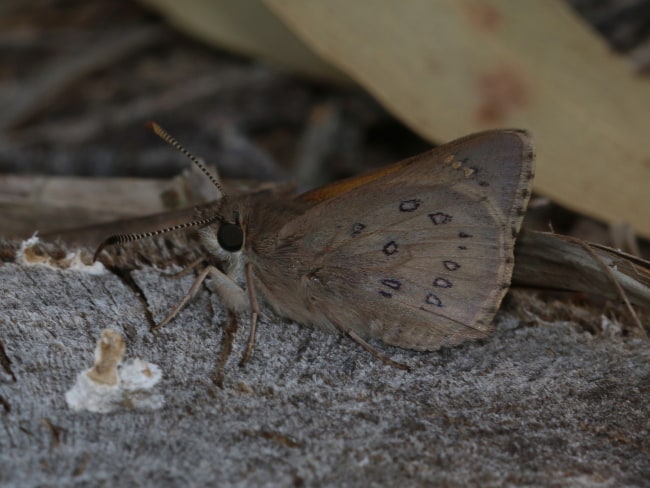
x,y
230,237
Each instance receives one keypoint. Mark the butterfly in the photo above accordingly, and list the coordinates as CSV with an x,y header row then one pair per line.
x,y
418,254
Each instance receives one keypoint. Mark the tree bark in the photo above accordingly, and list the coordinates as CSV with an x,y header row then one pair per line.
x,y
540,402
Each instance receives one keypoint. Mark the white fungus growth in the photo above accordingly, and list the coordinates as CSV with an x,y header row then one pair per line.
x,y
110,385
27,255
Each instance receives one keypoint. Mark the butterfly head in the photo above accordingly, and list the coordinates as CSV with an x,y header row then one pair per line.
x,y
225,236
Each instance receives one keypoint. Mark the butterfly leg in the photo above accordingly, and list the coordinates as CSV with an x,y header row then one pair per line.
x,y
375,352
229,332
232,295
255,310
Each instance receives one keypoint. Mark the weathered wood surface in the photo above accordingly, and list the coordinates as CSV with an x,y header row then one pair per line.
x,y
541,403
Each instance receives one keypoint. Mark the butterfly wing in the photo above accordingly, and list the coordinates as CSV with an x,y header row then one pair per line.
x,y
420,254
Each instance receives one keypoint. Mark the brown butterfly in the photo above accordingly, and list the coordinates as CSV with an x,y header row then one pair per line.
x,y
418,254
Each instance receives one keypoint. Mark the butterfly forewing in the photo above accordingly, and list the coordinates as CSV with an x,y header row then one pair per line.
x,y
422,255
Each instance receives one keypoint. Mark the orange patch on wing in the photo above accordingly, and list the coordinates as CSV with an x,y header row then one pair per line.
x,y
348,184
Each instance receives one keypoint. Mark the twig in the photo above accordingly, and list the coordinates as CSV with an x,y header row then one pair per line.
x,y
617,285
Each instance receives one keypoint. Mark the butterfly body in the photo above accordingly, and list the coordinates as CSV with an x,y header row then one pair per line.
x,y
418,254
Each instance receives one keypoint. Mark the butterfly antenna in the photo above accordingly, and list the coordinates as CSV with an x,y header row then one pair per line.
x,y
124,238
160,132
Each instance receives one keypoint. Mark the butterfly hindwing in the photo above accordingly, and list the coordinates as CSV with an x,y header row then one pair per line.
x,y
422,255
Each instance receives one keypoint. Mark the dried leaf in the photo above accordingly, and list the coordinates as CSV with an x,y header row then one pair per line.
x,y
448,68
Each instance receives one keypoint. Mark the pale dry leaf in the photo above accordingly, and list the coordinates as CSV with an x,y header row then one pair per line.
x,y
447,68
